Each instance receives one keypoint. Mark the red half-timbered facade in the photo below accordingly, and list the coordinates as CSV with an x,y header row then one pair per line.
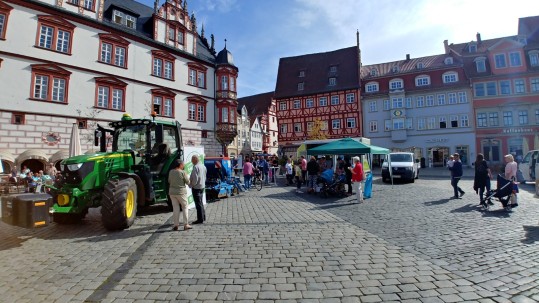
x,y
317,96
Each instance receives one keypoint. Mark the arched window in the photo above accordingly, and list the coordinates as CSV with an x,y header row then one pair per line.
x,y
396,84
371,87
450,77
422,80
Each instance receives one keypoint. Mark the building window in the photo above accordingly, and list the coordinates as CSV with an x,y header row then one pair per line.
x,y
301,86
163,102
297,104
324,125
454,120
124,19
297,127
336,124
419,65
350,98
409,123
519,86
387,125
430,100
537,117
514,59
163,65
481,66
534,85
387,105
373,126
371,87
350,122
54,34
443,122
523,117
395,69
397,103
197,75
505,87
309,103
398,123
176,36
332,81
421,123
17,118
282,105
373,106
431,123
499,61
534,58
452,98
374,72
493,119
479,89
450,77
284,128
422,80
464,122
472,48
113,50
224,82
396,84
481,120
110,93
333,69
507,118
448,60
334,100
301,74
491,89
310,126
196,110
441,99
49,83
86,4
82,123
408,102
420,101
4,16
323,101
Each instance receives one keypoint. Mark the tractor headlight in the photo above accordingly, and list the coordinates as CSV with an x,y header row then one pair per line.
x,y
74,167
63,200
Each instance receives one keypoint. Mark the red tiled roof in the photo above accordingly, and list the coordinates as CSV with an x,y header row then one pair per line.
x,y
317,73
482,47
408,66
257,104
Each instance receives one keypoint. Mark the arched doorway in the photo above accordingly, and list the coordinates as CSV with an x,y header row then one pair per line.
x,y
8,161
33,159
35,165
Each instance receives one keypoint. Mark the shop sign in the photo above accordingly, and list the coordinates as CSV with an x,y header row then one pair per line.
x,y
517,130
436,140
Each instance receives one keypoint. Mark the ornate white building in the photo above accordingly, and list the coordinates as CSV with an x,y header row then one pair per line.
x,y
89,62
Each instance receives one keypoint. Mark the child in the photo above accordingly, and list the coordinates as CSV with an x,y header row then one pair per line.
x,y
297,170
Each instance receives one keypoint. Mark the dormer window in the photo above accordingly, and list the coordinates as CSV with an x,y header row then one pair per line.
x,y
124,19
450,77
419,65
332,81
333,69
422,80
534,58
523,40
374,72
480,64
448,61
301,74
396,84
472,48
395,69
301,85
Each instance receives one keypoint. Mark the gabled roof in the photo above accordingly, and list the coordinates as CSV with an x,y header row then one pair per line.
x,y
529,27
463,49
316,68
408,66
257,104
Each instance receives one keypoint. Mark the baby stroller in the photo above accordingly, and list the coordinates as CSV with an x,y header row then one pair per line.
x,y
331,185
504,189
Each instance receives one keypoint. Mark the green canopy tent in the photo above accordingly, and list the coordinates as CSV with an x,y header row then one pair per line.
x,y
346,146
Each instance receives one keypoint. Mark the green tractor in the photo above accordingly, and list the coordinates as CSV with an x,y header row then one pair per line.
x,y
134,174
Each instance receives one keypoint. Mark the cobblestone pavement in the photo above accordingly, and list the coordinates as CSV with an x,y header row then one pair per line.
x,y
409,243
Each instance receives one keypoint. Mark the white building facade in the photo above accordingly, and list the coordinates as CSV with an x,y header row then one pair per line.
x,y
89,62
256,135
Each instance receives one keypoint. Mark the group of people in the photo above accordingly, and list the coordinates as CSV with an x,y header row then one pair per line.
x,y
33,180
179,180
482,176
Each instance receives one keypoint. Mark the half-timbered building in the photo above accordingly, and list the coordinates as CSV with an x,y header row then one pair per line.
x,y
318,92
263,107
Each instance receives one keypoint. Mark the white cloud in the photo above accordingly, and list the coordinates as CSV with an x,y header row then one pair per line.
x,y
222,6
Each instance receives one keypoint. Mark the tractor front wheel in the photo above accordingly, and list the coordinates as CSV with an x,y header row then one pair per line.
x,y
119,204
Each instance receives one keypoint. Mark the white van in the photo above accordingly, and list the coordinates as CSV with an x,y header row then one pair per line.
x,y
529,166
403,166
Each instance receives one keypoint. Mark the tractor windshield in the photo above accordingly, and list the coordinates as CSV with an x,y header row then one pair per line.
x,y
130,137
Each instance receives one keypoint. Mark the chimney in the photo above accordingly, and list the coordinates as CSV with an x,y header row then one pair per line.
x,y
407,57
478,38
446,46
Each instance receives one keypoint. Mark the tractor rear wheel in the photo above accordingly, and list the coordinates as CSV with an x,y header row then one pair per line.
x,y
119,204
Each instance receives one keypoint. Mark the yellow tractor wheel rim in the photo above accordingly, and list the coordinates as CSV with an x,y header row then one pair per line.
x,y
130,204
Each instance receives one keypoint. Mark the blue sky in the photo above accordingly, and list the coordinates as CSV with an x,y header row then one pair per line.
x,y
260,32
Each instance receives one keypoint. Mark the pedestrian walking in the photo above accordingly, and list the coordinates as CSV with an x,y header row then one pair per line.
x,y
482,178
297,171
348,172
303,169
247,173
197,182
357,177
289,172
510,168
313,168
456,174
178,181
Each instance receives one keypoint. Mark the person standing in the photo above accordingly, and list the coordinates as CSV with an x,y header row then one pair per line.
x,y
456,174
303,169
357,177
289,172
197,182
313,168
482,178
178,182
247,173
510,168
298,171
348,172
264,166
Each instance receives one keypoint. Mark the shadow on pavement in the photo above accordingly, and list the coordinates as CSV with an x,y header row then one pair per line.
x,y
466,209
335,205
532,234
499,213
436,202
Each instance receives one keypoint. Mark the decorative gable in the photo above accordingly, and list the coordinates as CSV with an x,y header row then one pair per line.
x,y
51,68
60,22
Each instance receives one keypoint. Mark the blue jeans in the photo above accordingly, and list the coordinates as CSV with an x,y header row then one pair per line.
x,y
247,181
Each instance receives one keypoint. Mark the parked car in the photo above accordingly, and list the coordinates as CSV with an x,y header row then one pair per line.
x,y
529,166
403,166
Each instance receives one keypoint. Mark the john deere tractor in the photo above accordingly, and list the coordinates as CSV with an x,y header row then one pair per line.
x,y
134,174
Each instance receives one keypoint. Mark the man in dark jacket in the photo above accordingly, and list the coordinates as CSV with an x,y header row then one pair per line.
x,y
313,168
456,174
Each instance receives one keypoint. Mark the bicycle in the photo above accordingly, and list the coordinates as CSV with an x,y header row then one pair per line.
x,y
257,180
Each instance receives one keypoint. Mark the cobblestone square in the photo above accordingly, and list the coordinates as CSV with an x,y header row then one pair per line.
x,y
409,243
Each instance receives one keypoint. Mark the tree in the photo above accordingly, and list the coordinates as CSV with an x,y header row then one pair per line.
x,y
316,132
